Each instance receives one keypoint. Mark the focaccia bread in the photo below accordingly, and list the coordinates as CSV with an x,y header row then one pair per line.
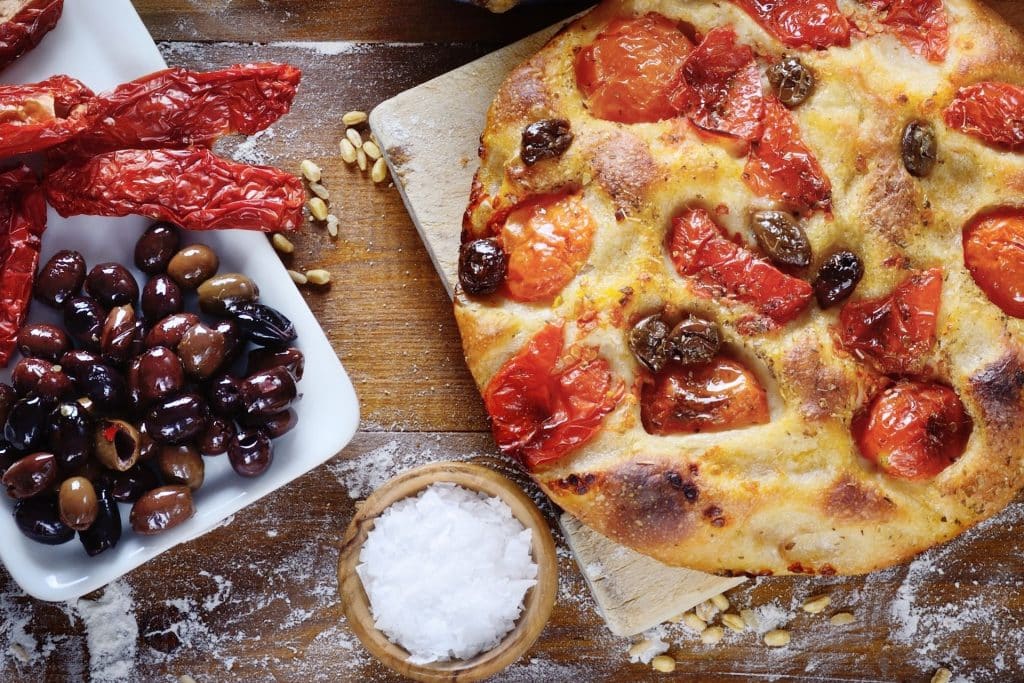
x,y
742,282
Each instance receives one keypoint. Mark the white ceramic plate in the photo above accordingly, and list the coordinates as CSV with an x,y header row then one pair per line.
x,y
103,43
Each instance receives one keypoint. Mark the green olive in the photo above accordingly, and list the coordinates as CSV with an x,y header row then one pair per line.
x,y
77,503
220,290
193,265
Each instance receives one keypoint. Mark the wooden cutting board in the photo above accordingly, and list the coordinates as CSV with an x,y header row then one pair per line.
x,y
429,135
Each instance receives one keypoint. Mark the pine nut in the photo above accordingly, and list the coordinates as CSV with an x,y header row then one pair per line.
x,y
310,171
282,243
372,150
318,276
664,664
842,619
817,604
720,601
320,191
942,675
185,678
777,638
348,151
706,610
354,118
317,208
711,635
734,622
297,277
694,622
332,225
361,159
380,171
354,137
749,617
639,648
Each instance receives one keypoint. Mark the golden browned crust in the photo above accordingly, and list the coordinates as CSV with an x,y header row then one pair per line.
x,y
791,496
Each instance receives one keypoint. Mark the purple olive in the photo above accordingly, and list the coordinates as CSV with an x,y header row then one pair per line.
x,y
105,532
250,452
25,423
130,485
169,331
264,359
161,509
215,438
30,475
60,279
155,375
161,297
156,247
40,340
268,392
224,395
39,519
112,285
83,320
71,435
176,420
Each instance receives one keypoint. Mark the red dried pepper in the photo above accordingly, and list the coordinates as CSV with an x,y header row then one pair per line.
x,y
192,188
22,222
180,108
37,116
26,28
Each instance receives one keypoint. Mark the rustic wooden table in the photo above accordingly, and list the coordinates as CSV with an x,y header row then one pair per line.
x,y
256,599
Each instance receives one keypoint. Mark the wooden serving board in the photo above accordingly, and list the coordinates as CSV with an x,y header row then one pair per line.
x,y
429,135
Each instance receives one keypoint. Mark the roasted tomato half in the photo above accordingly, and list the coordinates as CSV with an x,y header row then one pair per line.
x,y
543,406
991,112
801,23
913,430
630,71
713,397
921,25
547,240
897,331
994,253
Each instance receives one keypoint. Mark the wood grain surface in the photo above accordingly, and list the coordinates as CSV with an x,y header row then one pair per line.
x,y
256,600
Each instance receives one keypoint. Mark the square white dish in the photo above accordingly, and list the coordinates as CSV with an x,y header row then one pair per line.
x,y
103,43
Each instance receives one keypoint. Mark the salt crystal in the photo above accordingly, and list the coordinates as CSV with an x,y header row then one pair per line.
x,y
446,572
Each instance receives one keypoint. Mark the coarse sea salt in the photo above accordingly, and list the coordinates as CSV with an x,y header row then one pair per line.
x,y
446,572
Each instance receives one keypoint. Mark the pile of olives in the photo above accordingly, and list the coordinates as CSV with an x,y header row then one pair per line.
x,y
122,403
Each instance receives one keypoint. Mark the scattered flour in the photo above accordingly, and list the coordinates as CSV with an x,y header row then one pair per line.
x,y
362,475
111,632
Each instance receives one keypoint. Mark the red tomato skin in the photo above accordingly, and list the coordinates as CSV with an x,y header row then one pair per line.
x,y
913,430
540,411
713,397
994,255
894,332
808,24
990,111
921,25
700,249
630,71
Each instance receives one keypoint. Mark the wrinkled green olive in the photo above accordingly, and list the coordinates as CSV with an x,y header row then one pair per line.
x,y
781,238
920,148
161,509
791,80
220,290
118,444
193,265
77,503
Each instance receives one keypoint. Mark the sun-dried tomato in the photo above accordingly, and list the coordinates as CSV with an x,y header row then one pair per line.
x,y
192,188
913,430
712,397
895,332
700,249
721,87
783,168
801,23
540,409
994,254
36,116
990,111
547,240
629,72
921,25
22,222
26,28
180,108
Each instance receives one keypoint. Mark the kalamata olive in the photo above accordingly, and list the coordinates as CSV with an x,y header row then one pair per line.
x,y
791,80
224,395
39,519
169,331
545,139
119,334
130,485
263,359
202,350
219,290
77,503
215,438
781,238
193,265
268,392
280,424
8,456
176,420
250,452
156,374
181,464
647,342
156,247
234,339
161,509
105,532
838,276
263,325
83,319
30,475
482,266
7,398
105,387
118,444
148,448
55,386
694,341
919,148
70,435
27,373
25,423
161,297
112,284
40,340
60,278
75,362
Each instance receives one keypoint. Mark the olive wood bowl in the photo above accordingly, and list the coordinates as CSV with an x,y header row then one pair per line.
x,y
538,602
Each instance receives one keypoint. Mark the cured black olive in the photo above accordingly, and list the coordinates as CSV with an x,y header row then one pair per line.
x,y
104,386
482,266
250,452
176,420
71,435
83,319
224,393
117,341
837,278
39,519
781,238
161,509
25,423
40,340
263,325
545,139
268,392
161,297
156,247
155,375
920,148
60,278
128,486
791,80
694,341
30,475
104,533
112,285
647,342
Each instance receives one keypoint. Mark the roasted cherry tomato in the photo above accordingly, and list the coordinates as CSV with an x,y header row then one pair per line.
x,y
629,72
921,25
699,249
541,410
721,89
897,331
992,112
547,239
801,23
994,253
913,430
713,397
782,167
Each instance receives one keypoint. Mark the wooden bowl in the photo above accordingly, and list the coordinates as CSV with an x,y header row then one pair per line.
x,y
538,603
